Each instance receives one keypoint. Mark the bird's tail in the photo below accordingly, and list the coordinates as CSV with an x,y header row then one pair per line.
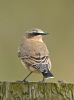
x,y
47,74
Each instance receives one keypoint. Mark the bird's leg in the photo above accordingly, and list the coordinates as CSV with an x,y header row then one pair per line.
x,y
43,80
27,76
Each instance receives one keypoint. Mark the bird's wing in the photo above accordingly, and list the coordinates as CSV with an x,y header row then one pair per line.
x,y
34,54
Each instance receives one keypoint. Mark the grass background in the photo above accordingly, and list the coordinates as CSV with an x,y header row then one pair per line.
x,y
53,16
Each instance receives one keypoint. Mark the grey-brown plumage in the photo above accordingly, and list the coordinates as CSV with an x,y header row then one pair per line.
x,y
34,53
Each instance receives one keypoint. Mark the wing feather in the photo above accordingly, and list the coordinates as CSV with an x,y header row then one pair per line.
x,y
34,54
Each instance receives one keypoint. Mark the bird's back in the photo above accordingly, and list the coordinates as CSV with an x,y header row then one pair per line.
x,y
33,48
34,54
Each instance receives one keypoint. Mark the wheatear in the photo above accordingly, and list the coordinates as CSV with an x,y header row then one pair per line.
x,y
34,53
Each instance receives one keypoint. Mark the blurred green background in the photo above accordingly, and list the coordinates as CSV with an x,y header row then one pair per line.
x,y
53,16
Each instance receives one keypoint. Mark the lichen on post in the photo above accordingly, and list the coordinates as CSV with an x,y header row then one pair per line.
x,y
36,91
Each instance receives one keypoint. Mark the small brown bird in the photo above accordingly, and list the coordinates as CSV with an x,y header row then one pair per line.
x,y
34,53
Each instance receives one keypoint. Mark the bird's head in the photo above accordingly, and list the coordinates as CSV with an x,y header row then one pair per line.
x,y
36,34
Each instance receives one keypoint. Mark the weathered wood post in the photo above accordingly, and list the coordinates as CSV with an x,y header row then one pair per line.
x,y
36,91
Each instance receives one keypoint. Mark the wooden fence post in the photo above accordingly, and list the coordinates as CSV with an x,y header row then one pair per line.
x,y
36,91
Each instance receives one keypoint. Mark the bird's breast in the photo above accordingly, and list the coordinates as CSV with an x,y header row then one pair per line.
x,y
37,48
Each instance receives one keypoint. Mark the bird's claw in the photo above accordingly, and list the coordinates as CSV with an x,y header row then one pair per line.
x,y
21,81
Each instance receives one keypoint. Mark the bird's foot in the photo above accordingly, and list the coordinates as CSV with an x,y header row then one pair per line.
x,y
42,81
24,80
21,81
